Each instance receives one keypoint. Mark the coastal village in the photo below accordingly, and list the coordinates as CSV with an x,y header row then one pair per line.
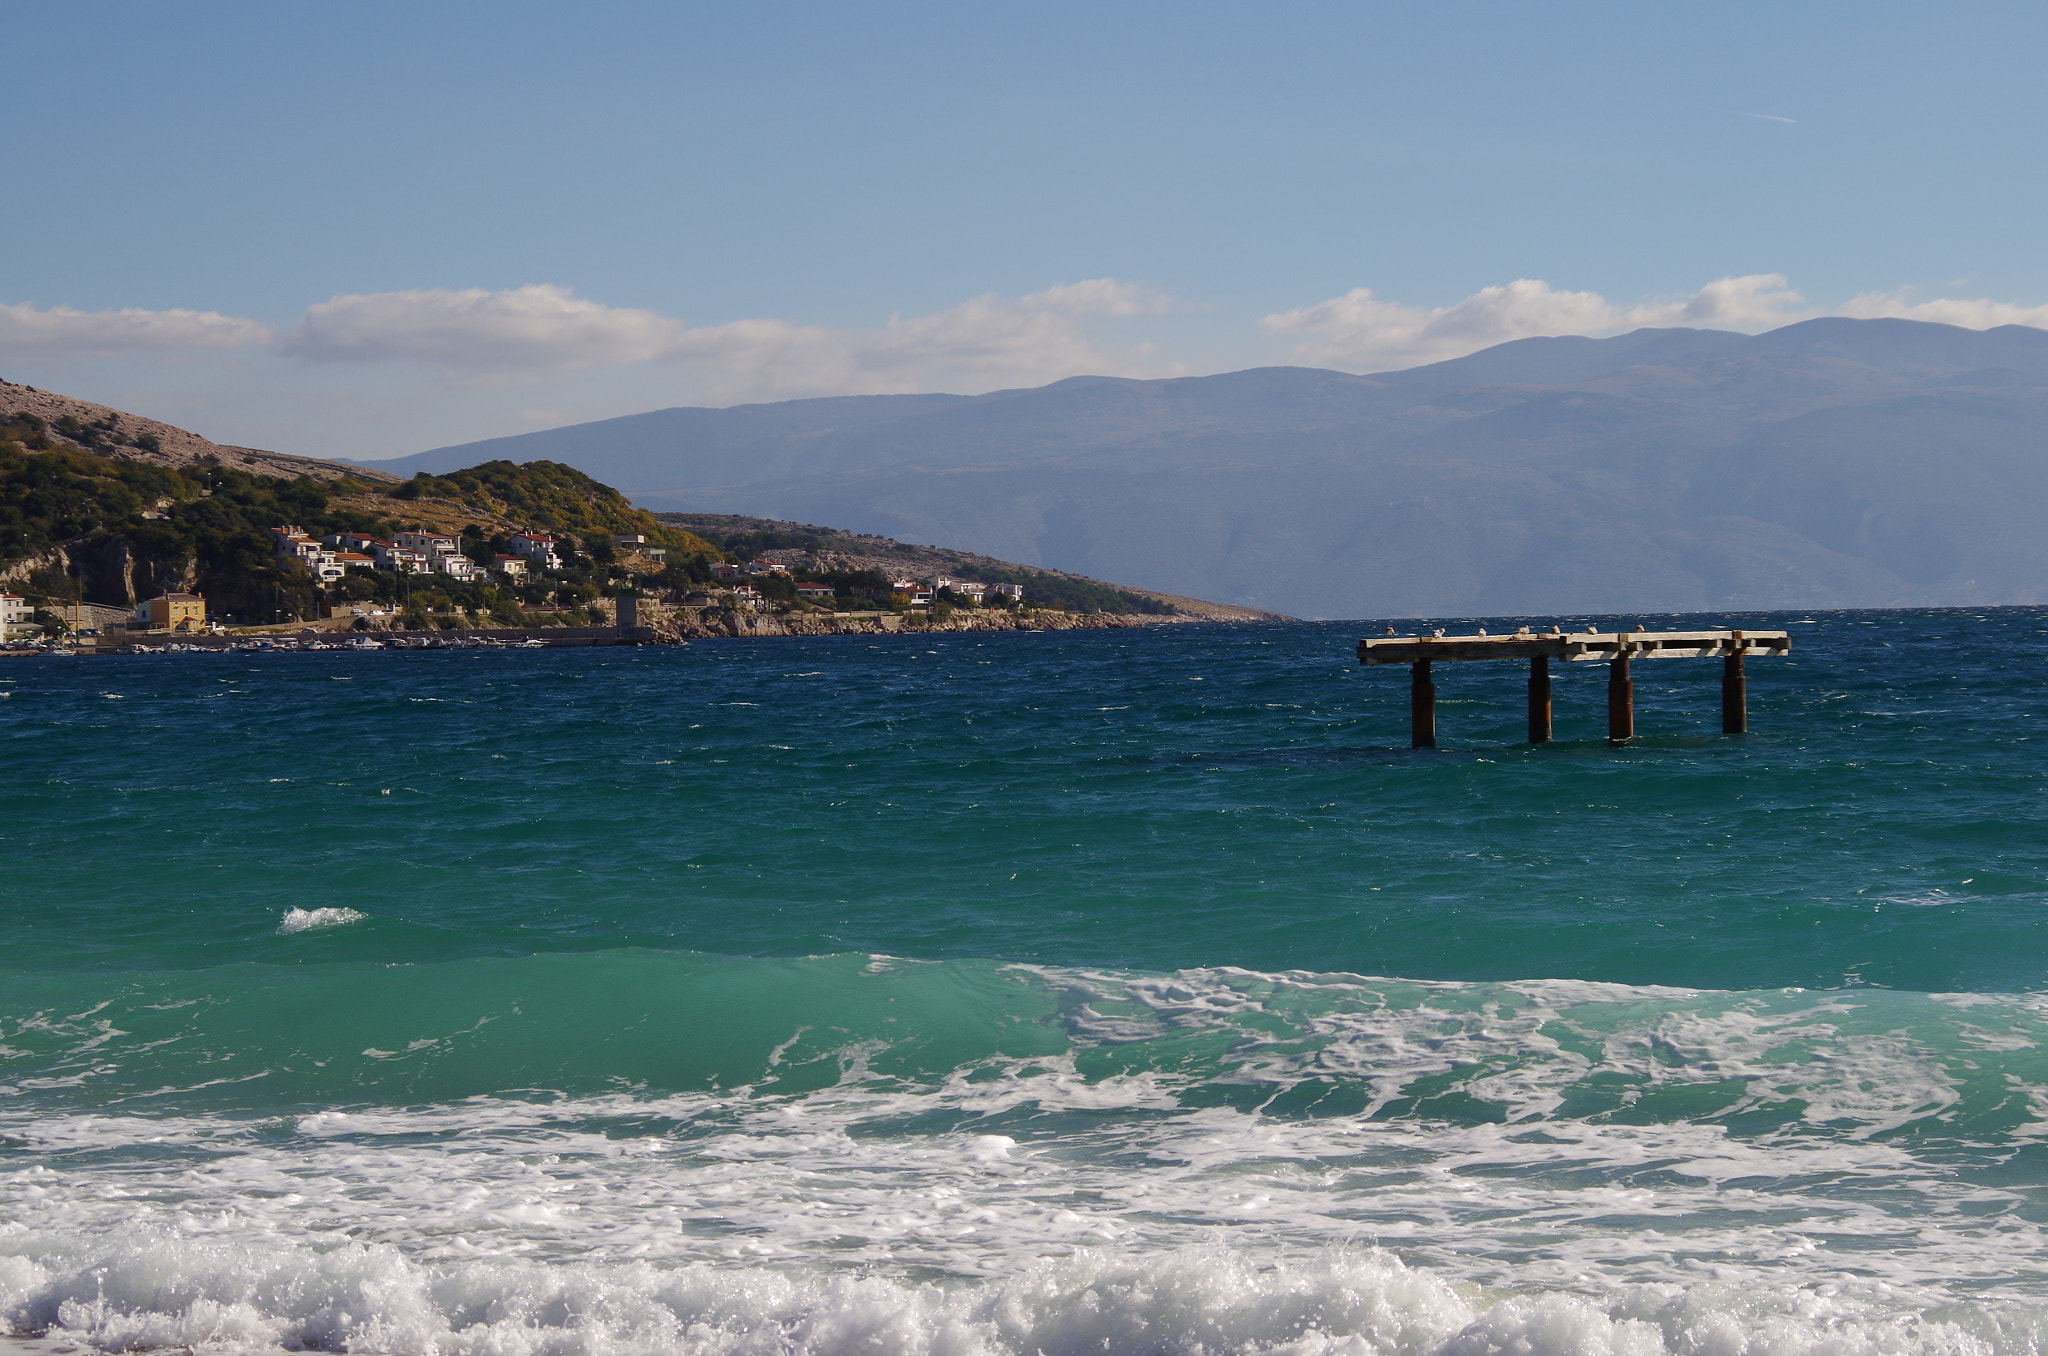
x,y
118,534
421,556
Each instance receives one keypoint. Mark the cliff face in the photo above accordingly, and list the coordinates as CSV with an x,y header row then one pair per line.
x,y
112,573
115,433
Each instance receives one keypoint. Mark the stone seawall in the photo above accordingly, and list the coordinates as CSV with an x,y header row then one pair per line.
x,y
741,623
666,626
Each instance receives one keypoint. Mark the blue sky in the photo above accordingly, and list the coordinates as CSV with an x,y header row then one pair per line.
x,y
367,229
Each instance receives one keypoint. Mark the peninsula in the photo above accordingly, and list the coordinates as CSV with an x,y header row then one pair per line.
x,y
127,528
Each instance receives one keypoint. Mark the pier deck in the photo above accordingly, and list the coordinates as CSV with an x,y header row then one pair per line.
x,y
1615,648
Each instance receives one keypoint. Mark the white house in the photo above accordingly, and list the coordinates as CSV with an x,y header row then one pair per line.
x,y
15,611
391,556
429,544
746,595
816,592
459,567
1015,591
629,541
354,560
725,570
290,541
965,588
511,566
537,547
766,567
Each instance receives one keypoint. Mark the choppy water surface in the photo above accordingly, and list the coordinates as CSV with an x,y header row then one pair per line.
x,y
1061,993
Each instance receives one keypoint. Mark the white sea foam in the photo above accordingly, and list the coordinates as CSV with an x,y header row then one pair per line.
x,y
300,920
1629,1171
203,1294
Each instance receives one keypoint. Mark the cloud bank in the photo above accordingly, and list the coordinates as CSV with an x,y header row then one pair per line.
x,y
981,344
1358,332
542,333
61,332
527,332
1970,315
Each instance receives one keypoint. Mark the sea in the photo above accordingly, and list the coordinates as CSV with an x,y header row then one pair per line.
x,y
1135,992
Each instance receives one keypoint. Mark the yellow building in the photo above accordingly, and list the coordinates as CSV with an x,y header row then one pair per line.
x,y
175,612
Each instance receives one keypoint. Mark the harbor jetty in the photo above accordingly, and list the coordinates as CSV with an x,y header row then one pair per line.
x,y
1615,648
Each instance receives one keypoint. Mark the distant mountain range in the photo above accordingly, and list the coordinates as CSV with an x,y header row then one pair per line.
x,y
1834,463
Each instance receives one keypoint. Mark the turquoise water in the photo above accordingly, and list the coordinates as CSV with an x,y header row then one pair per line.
x,y
1098,991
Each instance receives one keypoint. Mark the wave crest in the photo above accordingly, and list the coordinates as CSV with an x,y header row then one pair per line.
x,y
300,920
355,1297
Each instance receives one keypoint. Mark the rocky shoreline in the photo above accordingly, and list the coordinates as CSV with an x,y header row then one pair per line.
x,y
713,623
657,626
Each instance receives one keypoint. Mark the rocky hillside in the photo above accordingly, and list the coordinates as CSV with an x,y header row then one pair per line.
x,y
71,422
89,520
831,549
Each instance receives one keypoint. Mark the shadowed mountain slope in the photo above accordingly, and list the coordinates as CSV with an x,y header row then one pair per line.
x,y
1833,463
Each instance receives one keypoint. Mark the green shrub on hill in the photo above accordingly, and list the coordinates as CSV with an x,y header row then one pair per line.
x,y
208,529
553,497
131,525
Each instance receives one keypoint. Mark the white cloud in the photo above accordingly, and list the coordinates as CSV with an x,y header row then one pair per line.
x,y
539,332
546,334
1973,315
980,344
1360,332
61,332
519,334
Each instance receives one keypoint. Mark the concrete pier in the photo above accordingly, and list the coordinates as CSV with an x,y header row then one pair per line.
x,y
1615,648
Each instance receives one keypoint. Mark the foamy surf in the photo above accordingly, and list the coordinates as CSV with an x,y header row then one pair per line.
x,y
302,920
1543,1167
208,1296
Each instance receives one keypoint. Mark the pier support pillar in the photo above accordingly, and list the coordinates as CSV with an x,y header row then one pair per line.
x,y
1539,700
1734,696
1621,701
1422,707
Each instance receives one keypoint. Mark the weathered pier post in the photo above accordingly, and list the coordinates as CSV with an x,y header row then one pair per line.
x,y
1621,701
1614,648
1734,692
1421,707
1539,699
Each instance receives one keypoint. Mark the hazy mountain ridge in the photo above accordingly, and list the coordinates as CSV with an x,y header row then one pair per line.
x,y
1830,463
